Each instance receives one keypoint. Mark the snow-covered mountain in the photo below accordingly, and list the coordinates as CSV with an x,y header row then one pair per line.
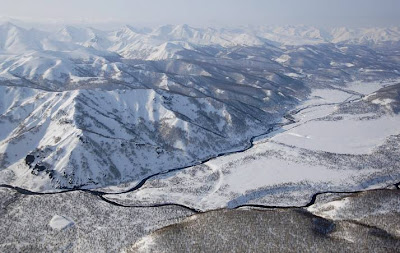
x,y
81,107
90,137
15,39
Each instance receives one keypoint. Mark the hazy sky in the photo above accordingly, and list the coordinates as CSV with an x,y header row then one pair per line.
x,y
210,12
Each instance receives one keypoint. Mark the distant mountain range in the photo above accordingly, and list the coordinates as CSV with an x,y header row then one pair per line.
x,y
72,55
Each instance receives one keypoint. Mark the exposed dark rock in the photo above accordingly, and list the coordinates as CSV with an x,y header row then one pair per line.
x,y
40,168
29,159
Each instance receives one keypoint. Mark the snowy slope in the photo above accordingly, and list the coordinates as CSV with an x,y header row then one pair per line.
x,y
288,166
98,137
81,107
14,39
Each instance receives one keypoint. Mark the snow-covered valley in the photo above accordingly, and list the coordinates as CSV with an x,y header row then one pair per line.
x,y
344,153
175,121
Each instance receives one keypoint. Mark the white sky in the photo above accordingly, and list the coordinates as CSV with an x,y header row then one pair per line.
x,y
210,12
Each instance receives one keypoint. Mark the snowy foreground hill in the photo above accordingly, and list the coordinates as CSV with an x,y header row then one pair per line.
x,y
175,121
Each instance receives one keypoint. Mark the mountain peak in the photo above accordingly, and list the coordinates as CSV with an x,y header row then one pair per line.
x,y
8,26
